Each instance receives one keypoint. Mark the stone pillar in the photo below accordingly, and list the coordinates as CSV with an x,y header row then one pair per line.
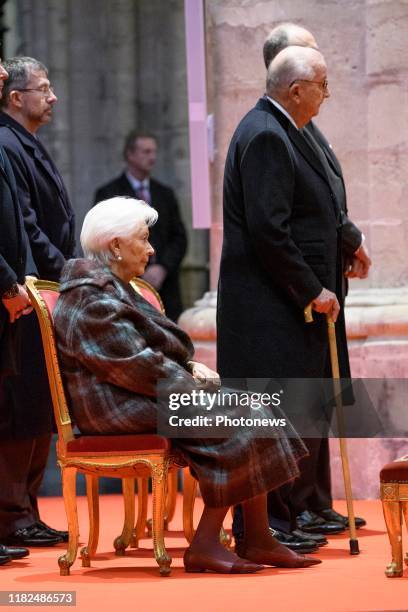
x,y
366,120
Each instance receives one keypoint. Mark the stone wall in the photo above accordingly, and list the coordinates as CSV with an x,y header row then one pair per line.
x,y
366,118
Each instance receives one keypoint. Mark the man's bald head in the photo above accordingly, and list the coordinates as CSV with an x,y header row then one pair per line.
x,y
293,64
286,35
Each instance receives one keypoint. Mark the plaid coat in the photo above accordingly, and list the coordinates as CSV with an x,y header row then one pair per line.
x,y
114,347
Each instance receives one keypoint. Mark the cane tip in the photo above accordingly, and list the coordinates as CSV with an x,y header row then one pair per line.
x,y
354,548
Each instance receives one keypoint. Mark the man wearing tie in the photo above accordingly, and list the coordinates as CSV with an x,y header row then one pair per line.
x,y
168,235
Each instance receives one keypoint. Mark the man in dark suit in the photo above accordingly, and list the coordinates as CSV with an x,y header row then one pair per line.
x,y
311,494
27,419
15,263
282,245
168,235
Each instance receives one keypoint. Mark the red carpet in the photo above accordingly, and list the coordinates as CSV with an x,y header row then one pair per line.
x,y
341,583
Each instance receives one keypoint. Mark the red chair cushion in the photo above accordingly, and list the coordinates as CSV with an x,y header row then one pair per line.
x,y
123,445
397,471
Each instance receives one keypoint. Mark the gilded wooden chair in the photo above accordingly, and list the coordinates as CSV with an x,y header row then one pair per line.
x,y
394,497
126,456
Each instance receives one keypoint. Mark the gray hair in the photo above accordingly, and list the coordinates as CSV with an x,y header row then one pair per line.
x,y
283,36
291,64
19,72
117,217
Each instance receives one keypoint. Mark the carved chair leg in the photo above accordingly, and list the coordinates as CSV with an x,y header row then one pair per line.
x,y
142,499
69,492
189,495
159,486
171,498
92,492
393,519
404,505
122,541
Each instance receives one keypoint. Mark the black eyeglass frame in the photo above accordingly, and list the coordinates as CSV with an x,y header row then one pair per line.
x,y
48,92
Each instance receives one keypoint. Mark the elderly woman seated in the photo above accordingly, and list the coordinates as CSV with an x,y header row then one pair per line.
x,y
114,350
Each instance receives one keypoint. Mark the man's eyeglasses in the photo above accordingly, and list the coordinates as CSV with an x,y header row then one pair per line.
x,y
323,84
44,91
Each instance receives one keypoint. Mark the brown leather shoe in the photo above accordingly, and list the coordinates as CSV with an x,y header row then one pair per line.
x,y
200,562
280,556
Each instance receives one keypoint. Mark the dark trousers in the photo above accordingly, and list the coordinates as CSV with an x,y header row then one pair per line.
x,y
312,490
22,465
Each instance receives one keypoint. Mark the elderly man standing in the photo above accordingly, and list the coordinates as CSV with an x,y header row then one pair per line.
x,y
26,409
311,494
282,247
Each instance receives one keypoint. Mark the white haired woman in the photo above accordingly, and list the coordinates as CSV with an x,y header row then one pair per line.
x,y
115,347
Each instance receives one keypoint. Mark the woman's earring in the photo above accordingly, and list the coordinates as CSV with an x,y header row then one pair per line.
x,y
118,257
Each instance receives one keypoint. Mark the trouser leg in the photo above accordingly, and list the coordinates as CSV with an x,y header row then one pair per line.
x,y
16,509
22,465
304,487
321,496
37,468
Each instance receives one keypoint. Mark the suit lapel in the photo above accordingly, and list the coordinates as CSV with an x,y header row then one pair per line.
x,y
124,187
322,141
306,151
295,136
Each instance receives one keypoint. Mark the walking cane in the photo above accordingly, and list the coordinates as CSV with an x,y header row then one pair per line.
x,y
331,331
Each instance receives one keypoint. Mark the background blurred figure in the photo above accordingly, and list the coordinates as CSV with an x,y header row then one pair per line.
x,y
168,236
27,420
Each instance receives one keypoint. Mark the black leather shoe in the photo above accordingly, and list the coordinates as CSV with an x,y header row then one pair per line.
x,y
4,559
31,536
317,538
332,515
291,541
313,523
54,532
13,552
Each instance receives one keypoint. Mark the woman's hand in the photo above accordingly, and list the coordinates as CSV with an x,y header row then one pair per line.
x,y
202,373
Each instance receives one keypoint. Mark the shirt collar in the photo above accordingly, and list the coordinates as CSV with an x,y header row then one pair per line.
x,y
136,184
283,111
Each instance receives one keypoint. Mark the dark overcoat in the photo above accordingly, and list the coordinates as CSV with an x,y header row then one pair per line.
x,y
49,223
351,236
15,263
282,244
114,348
47,211
167,236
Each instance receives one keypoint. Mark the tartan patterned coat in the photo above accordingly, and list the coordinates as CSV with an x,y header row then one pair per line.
x,y
114,347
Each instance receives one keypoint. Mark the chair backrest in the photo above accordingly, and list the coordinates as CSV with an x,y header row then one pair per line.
x,y
44,295
148,292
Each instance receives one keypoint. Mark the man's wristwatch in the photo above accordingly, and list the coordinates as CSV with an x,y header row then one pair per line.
x,y
11,293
